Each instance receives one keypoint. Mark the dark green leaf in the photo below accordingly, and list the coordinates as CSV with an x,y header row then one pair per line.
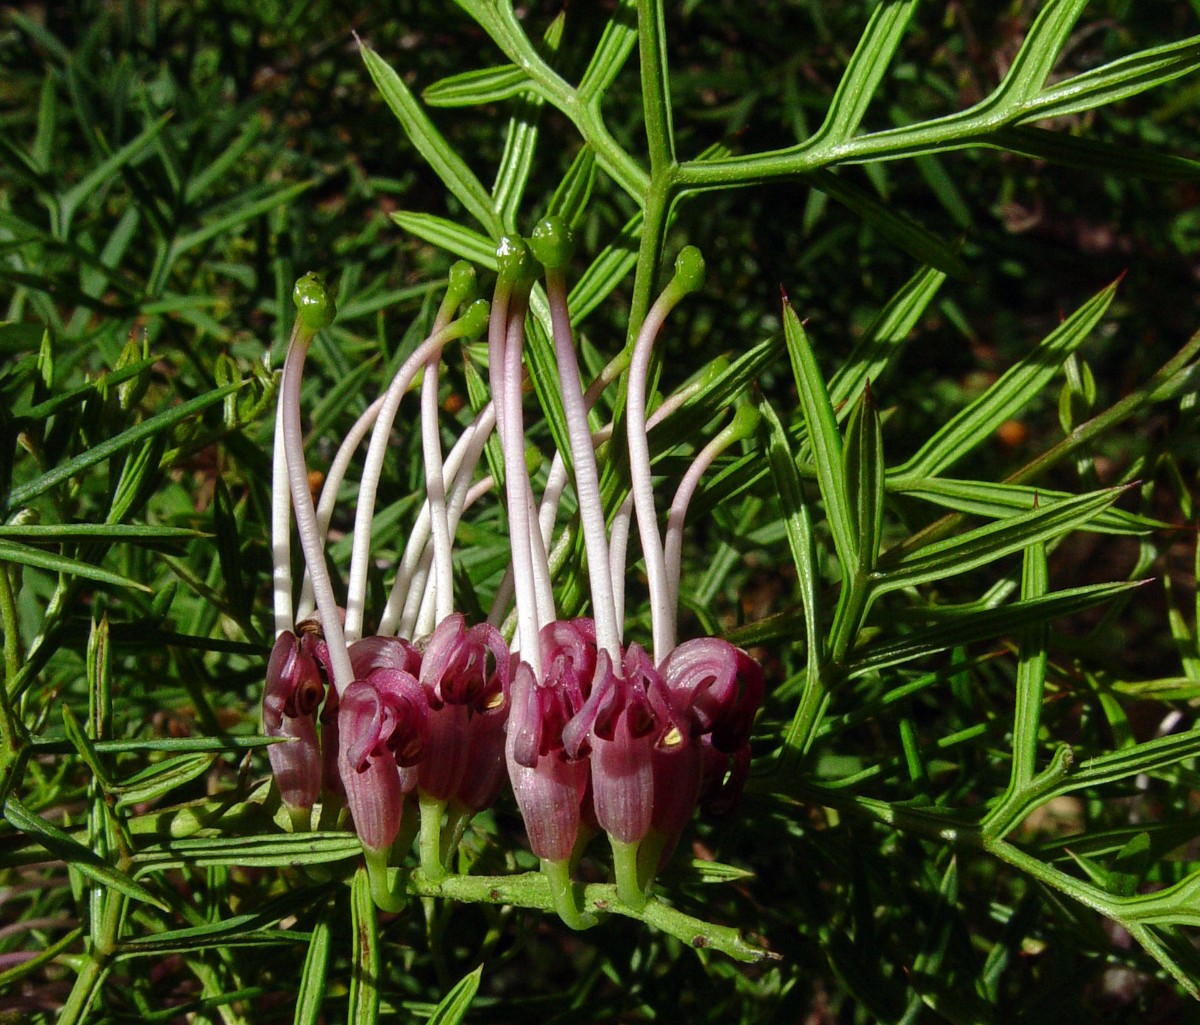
x,y
24,555
455,1004
431,144
472,88
161,422
823,435
61,845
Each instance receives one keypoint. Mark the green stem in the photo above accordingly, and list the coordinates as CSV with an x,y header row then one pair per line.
x,y
11,731
656,90
625,862
301,819
430,841
565,895
391,897
506,32
533,890
458,817
95,968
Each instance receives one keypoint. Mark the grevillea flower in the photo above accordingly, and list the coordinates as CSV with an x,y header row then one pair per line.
x,y
616,729
712,691
549,784
293,693
646,741
466,675
383,723
378,718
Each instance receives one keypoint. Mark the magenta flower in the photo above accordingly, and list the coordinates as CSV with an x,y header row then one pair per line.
x,y
383,725
293,693
466,675
548,783
712,691
617,726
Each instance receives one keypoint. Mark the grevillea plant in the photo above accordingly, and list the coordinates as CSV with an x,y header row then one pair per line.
x,y
742,636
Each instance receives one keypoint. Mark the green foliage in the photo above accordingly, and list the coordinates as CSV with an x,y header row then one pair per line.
x,y
975,769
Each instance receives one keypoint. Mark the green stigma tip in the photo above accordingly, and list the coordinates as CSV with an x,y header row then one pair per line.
x,y
315,307
461,286
514,261
689,269
552,242
745,421
475,319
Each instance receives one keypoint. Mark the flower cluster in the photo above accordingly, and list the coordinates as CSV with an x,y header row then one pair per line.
x,y
415,728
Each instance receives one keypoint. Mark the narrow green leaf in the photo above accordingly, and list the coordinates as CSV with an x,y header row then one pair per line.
x,y
864,473
1129,867
472,88
236,931
316,971
543,372
1148,757
142,534
76,396
880,346
1116,81
1038,53
1174,950
516,161
606,272
47,122
454,238
84,747
798,524
1094,155
616,44
229,554
1031,673
860,81
980,498
139,474
241,213
159,780
61,845
702,871
104,172
972,426
431,144
24,493
716,394
225,161
571,197
992,541
24,555
823,435
31,966
16,337
454,1005
269,851
364,971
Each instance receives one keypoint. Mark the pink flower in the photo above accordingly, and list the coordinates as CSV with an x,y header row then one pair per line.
x,y
617,725
466,675
293,693
383,725
550,785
